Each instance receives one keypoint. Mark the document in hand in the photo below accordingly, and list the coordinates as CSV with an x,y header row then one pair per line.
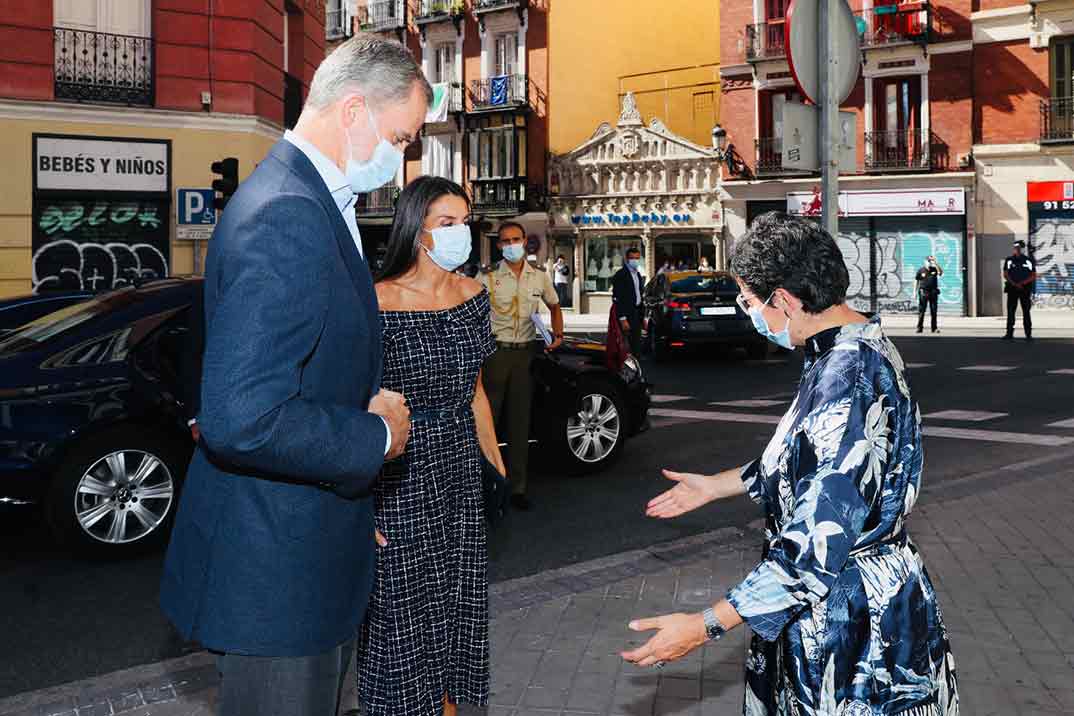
x,y
542,329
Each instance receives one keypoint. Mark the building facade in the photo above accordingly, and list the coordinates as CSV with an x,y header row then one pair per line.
x,y
108,107
633,186
488,63
912,191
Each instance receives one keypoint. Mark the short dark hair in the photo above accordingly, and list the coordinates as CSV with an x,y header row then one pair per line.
x,y
795,254
410,211
633,250
509,225
561,256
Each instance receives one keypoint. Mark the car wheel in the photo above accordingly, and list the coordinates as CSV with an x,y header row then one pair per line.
x,y
116,494
757,350
592,437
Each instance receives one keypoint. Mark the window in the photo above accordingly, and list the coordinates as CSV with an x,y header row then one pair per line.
x,y
493,153
506,54
772,111
438,155
1062,70
119,17
445,63
605,256
704,116
898,104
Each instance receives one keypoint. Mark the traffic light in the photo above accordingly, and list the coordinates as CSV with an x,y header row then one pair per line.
x,y
228,169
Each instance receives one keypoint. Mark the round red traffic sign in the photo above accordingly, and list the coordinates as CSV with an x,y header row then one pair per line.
x,y
802,42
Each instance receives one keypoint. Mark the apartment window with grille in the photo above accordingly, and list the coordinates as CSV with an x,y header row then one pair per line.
x,y
506,54
1062,70
117,17
497,153
445,62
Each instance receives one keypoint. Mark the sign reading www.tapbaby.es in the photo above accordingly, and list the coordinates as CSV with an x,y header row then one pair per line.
x,y
65,163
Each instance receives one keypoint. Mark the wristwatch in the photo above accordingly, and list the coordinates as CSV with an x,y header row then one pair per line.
x,y
713,628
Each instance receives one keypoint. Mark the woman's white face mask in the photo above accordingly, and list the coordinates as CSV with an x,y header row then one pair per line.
x,y
451,246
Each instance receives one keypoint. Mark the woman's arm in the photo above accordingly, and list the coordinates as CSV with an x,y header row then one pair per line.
x,y
486,427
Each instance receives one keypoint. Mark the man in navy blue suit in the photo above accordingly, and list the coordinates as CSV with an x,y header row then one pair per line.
x,y
271,560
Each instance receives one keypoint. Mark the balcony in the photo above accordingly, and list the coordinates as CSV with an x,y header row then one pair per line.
x,y
887,25
336,25
905,150
455,103
382,15
1057,120
499,196
483,6
430,11
502,92
765,41
379,202
770,159
102,67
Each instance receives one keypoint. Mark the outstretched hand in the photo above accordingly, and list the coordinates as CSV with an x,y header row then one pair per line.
x,y
677,636
691,492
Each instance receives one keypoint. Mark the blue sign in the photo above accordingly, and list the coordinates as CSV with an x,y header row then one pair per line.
x,y
195,207
633,218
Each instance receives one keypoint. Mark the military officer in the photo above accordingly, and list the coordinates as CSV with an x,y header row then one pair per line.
x,y
1019,275
516,290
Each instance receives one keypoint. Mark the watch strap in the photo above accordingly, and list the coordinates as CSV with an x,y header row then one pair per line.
x,y
713,628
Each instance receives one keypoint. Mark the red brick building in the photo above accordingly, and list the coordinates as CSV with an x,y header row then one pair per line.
x,y
180,83
911,193
488,63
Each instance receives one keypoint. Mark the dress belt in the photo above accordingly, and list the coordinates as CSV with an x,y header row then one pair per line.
x,y
434,415
897,540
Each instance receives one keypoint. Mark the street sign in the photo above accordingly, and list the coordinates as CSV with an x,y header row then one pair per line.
x,y
195,216
803,50
801,151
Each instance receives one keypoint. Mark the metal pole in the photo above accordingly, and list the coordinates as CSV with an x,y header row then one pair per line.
x,y
197,257
828,132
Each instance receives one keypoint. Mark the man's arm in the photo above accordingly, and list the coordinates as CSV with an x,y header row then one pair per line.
x,y
551,299
266,320
619,288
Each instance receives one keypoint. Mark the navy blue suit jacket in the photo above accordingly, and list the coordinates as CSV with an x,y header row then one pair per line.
x,y
272,552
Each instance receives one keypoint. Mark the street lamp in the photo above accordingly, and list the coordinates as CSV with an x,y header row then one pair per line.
x,y
719,142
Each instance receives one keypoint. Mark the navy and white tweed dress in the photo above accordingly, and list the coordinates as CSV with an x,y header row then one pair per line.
x,y
426,632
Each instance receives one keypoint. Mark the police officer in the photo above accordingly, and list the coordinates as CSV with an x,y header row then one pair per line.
x,y
1019,275
928,292
516,289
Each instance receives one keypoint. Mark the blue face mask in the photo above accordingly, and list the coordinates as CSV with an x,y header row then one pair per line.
x,y
634,264
451,246
379,169
514,252
782,339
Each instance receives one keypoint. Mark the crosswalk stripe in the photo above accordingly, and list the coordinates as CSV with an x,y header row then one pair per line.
x,y
1062,424
995,436
988,368
757,403
1062,371
913,366
669,398
971,416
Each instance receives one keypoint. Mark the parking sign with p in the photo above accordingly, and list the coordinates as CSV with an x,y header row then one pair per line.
x,y
195,216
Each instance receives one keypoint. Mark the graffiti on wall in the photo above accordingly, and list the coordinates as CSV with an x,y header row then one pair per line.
x,y
89,244
1051,242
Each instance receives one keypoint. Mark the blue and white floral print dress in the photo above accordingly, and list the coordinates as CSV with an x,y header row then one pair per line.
x,y
844,615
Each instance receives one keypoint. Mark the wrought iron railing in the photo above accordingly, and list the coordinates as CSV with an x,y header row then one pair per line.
x,y
900,150
1057,119
335,24
380,15
499,196
438,10
488,5
102,67
765,40
502,91
456,103
770,157
379,202
895,24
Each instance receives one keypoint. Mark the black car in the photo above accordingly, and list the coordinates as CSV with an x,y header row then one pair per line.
x,y
95,399
685,308
16,311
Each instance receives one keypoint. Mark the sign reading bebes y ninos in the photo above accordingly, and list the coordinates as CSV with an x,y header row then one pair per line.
x,y
100,164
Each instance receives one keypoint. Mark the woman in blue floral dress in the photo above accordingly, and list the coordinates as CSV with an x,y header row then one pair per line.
x,y
844,616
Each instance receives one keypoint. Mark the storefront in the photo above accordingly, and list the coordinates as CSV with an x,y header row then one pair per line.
x,y
1051,242
887,235
634,186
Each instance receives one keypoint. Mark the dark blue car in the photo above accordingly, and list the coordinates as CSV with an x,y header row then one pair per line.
x,y
20,310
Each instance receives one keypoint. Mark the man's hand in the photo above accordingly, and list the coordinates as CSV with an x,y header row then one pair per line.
x,y
392,407
557,341
624,324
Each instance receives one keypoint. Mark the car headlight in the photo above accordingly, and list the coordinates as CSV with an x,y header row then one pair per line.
x,y
632,367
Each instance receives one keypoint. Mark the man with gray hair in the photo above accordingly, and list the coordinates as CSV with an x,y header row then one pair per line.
x,y
272,554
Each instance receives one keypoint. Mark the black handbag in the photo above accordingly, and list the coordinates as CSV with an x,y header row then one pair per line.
x,y
497,491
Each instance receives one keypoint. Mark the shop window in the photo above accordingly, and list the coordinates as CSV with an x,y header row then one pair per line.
x,y
604,256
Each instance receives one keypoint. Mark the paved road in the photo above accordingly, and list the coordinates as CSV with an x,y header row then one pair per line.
x,y
66,619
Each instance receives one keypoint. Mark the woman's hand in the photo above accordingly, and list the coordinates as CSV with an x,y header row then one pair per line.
x,y
678,635
691,492
381,540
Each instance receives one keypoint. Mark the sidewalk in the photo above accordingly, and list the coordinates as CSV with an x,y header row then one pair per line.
x,y
999,546
1046,324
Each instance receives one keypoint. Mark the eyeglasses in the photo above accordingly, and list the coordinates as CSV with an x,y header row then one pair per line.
x,y
744,302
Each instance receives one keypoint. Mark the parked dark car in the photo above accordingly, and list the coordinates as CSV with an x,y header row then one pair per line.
x,y
16,311
95,399
686,308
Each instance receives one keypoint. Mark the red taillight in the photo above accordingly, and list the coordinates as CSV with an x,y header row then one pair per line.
x,y
674,305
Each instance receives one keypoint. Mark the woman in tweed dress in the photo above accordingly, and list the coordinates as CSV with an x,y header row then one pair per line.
x,y
424,645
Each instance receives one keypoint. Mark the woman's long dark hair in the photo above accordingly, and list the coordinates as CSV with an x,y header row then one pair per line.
x,y
404,242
